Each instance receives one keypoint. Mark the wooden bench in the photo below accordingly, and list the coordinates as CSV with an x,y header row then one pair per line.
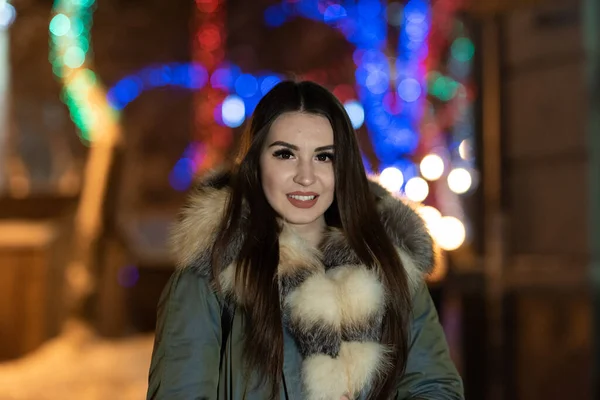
x,y
31,282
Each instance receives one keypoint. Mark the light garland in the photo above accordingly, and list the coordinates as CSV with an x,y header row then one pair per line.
x,y
97,124
207,50
389,97
7,14
392,95
83,93
393,92
452,114
185,75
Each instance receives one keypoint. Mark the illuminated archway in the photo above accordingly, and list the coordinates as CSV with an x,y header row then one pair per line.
x,y
193,76
391,92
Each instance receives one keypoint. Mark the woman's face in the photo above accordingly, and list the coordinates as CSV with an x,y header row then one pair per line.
x,y
297,168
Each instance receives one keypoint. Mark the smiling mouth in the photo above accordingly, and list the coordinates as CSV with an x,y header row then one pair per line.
x,y
301,198
304,201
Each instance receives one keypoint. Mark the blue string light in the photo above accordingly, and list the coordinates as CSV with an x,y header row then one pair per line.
x,y
7,14
393,130
234,110
363,23
188,76
356,112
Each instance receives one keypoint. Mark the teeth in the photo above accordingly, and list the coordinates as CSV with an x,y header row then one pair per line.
x,y
302,198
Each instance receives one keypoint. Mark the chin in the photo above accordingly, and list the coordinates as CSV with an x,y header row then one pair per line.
x,y
300,220
302,217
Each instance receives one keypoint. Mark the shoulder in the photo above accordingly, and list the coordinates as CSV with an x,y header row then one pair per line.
x,y
186,284
194,233
405,227
408,232
188,302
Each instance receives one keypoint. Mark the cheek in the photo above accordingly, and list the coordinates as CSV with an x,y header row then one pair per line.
x,y
330,180
269,177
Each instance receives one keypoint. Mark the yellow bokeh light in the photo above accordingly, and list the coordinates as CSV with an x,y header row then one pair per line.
x,y
449,233
416,189
464,150
432,167
430,215
392,179
459,180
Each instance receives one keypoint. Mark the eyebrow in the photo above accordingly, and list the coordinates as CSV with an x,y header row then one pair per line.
x,y
294,147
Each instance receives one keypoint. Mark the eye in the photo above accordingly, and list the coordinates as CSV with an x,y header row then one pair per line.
x,y
325,157
283,154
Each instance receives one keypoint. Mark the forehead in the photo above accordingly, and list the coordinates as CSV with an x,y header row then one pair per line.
x,y
298,128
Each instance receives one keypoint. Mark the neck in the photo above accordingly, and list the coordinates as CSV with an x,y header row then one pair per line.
x,y
311,233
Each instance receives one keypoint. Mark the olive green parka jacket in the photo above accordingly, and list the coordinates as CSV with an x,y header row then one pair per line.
x,y
332,308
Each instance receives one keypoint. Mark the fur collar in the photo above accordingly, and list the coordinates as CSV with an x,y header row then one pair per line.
x,y
332,305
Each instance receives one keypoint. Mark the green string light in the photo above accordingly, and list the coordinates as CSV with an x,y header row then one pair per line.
x,y
60,25
442,87
462,49
69,47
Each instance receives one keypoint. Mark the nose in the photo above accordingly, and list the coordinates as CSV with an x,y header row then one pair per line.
x,y
305,174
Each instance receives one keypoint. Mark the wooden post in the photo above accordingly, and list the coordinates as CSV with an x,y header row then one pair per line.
x,y
4,97
492,186
88,220
591,16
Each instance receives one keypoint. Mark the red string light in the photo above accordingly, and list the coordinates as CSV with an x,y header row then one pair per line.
x,y
208,51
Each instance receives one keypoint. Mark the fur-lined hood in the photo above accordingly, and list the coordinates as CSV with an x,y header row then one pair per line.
x,y
332,305
194,234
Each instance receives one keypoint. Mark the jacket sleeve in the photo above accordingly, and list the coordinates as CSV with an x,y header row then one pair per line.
x,y
185,358
430,372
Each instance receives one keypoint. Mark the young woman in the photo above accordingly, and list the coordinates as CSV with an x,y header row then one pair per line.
x,y
297,277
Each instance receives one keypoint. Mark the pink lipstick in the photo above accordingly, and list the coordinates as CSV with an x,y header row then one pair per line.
x,y
303,199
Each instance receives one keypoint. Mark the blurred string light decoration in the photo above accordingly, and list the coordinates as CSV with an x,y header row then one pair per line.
x,y
231,112
364,24
446,126
184,75
70,56
390,89
394,96
416,189
98,126
417,106
208,50
400,99
7,14
446,162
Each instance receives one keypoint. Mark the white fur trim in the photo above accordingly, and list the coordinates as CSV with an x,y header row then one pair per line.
x,y
358,364
315,301
198,227
227,278
360,293
363,362
295,253
413,273
345,295
324,377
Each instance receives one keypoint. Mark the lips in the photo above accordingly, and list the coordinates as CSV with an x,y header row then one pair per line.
x,y
303,199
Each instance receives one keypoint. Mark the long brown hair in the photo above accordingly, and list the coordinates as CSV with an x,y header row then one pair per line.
x,y
353,210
